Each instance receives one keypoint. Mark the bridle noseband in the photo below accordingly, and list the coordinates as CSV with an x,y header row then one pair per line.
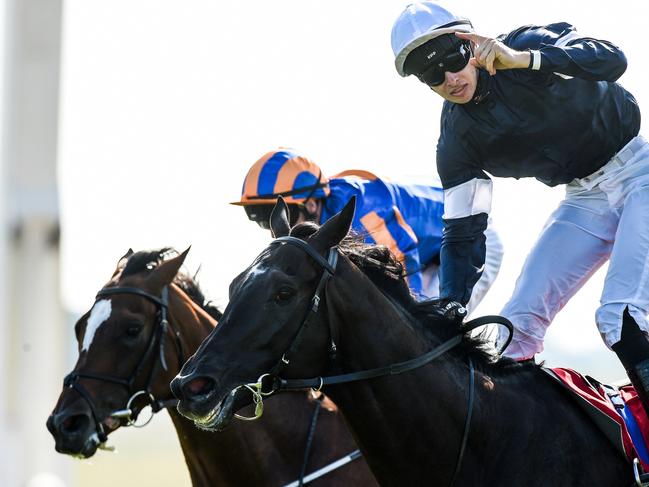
x,y
277,384
129,414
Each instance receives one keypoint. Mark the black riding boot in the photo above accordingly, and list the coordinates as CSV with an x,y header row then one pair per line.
x,y
633,352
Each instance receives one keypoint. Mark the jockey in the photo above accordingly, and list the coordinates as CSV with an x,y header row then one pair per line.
x,y
542,102
406,218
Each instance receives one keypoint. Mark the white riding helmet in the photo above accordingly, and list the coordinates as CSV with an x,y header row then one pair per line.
x,y
419,23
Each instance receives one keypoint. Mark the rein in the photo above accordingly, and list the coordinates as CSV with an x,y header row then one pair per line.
x,y
392,369
130,413
278,384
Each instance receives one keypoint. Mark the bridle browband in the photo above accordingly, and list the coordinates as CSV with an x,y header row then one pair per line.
x,y
129,414
278,384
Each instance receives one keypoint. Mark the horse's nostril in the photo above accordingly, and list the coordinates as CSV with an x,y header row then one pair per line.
x,y
74,424
200,386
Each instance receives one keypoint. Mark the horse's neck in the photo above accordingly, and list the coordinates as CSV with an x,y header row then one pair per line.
x,y
375,332
373,329
190,320
213,459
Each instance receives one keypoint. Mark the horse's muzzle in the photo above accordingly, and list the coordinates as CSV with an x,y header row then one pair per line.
x,y
72,433
197,395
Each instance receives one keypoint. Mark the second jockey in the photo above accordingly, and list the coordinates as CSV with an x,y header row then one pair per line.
x,y
406,218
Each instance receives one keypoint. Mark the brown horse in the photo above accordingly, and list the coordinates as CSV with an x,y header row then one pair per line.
x,y
426,403
145,322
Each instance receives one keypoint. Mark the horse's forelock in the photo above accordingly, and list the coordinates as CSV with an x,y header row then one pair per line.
x,y
304,230
147,260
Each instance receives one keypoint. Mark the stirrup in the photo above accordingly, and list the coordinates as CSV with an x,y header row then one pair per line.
x,y
641,478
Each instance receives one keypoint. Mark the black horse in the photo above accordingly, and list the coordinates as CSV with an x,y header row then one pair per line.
x,y
524,430
143,325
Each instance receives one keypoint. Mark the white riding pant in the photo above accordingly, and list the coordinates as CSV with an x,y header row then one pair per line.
x,y
603,216
493,260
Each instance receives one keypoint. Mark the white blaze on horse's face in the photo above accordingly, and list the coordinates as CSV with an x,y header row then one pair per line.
x,y
99,314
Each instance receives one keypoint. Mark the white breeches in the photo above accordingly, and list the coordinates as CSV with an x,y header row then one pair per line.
x,y
603,216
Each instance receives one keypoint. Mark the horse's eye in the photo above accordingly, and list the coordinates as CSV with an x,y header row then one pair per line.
x,y
283,295
133,330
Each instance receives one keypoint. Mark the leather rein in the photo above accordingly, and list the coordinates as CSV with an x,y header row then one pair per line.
x,y
129,414
271,383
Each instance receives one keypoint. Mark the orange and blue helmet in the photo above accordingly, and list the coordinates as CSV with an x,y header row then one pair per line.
x,y
283,172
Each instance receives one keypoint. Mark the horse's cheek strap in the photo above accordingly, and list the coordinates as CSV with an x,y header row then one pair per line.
x,y
329,267
333,329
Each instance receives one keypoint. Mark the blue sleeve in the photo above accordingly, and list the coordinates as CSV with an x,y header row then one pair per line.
x,y
562,50
386,226
462,256
467,203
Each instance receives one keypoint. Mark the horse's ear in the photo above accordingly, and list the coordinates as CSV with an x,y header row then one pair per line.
x,y
128,253
122,261
279,225
335,229
164,274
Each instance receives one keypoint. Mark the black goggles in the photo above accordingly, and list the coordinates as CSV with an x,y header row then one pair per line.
x,y
452,61
260,214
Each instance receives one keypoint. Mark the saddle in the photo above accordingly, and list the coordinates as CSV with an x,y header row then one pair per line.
x,y
617,411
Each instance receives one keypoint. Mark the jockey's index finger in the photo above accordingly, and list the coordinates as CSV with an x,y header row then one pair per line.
x,y
471,36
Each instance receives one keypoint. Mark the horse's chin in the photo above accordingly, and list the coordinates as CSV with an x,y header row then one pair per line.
x,y
88,449
220,415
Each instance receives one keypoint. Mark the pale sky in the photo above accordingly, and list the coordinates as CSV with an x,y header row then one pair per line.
x,y
165,105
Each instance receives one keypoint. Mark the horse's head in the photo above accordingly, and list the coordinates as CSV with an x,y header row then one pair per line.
x,y
270,302
127,355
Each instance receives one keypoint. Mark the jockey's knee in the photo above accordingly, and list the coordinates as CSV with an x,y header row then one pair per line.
x,y
527,341
529,312
612,320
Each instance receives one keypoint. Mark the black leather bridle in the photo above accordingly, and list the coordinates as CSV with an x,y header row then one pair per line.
x,y
277,384
129,414
329,267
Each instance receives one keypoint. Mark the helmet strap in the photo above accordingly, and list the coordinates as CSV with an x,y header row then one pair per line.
x,y
315,186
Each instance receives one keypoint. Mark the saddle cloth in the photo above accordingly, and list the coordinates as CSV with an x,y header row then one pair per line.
x,y
617,411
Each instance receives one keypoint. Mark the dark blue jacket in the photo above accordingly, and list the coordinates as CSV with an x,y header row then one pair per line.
x,y
561,121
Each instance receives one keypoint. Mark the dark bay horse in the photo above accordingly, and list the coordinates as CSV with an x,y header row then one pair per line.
x,y
145,322
524,430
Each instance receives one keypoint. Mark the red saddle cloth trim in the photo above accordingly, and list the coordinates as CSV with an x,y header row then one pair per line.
x,y
632,401
598,399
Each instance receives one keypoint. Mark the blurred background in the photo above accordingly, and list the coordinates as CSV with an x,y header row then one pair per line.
x,y
132,124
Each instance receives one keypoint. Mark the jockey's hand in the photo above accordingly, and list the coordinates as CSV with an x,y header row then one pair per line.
x,y
493,55
451,310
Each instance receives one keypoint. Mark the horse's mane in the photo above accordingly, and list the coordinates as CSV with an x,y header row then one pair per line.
x,y
147,260
387,274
